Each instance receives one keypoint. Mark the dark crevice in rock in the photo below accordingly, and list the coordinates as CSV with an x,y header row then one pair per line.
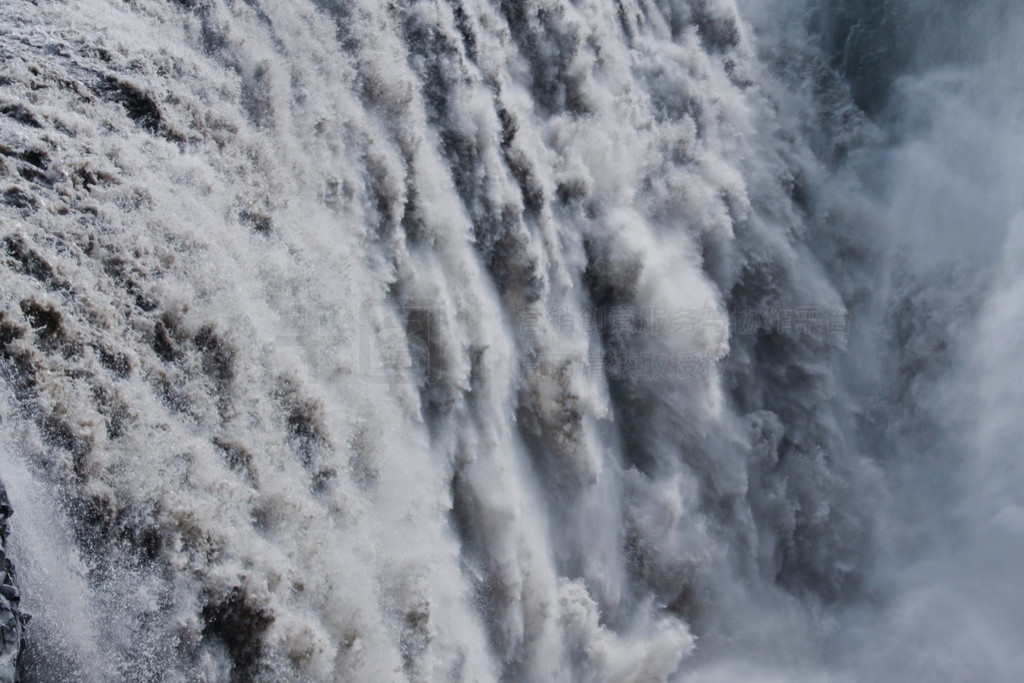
x,y
21,114
18,198
239,623
138,105
31,262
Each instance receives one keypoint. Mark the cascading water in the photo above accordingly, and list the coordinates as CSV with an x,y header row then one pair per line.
x,y
491,340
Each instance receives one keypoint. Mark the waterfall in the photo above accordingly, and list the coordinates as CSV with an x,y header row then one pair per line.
x,y
539,340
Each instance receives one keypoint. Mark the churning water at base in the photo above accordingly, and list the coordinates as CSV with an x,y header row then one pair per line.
x,y
490,340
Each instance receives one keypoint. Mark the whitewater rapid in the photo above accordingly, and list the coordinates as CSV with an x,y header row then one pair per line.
x,y
491,340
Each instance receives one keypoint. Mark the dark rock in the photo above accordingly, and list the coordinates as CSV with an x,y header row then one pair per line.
x,y
138,105
12,619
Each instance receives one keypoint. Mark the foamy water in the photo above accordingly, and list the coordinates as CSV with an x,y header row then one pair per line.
x,y
512,340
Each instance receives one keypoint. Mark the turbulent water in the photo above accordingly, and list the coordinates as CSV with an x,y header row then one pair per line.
x,y
540,340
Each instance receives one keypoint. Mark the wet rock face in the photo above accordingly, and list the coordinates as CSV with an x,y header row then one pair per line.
x,y
12,619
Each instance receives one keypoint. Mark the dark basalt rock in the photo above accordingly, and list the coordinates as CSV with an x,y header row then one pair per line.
x,y
12,619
